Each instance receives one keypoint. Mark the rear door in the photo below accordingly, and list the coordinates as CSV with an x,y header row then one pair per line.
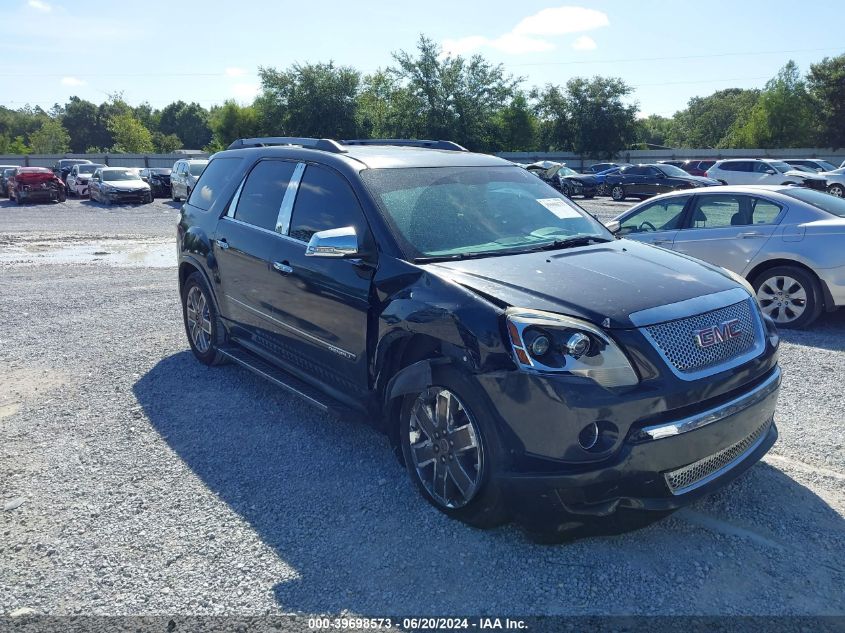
x,y
727,229
656,223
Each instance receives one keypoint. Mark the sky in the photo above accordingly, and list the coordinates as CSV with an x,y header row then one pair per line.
x,y
208,51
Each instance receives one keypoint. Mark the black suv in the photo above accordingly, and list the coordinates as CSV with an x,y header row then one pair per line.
x,y
524,362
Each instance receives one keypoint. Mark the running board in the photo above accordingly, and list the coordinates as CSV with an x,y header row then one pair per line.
x,y
283,379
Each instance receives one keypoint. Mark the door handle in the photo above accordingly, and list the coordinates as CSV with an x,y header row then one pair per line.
x,y
750,234
222,243
283,267
659,242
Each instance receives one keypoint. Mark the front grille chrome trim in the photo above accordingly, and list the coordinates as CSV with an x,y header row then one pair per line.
x,y
695,475
726,410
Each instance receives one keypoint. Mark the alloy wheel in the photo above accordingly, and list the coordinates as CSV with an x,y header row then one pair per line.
x,y
445,447
199,319
836,190
782,298
617,193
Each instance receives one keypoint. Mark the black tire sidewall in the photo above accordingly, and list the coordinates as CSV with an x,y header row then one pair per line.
x,y
811,287
212,356
487,508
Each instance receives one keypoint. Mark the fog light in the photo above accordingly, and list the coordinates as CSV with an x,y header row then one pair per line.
x,y
578,345
540,345
588,436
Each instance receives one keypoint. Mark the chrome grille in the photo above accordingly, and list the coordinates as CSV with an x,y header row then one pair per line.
x,y
676,339
683,479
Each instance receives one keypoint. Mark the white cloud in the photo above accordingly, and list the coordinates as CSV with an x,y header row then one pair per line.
x,y
584,43
39,5
72,81
529,35
235,72
245,91
561,21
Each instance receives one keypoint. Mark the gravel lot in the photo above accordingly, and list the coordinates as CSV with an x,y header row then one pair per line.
x,y
137,481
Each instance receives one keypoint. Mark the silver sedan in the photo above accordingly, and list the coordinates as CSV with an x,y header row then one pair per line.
x,y
835,182
788,242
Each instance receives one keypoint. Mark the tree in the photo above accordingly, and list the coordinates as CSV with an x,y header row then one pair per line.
x,y
81,120
386,109
165,143
312,100
655,130
601,123
10,145
708,121
130,136
516,126
552,110
782,116
826,85
455,98
51,138
188,121
231,121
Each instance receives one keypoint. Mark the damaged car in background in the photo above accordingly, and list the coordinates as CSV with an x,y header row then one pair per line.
x,y
566,180
30,184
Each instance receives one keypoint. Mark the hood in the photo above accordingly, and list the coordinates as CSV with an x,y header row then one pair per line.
x,y
127,185
589,181
806,175
29,177
702,180
603,283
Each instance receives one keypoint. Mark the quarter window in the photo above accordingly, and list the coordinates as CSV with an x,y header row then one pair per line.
x,y
324,201
665,215
764,211
263,192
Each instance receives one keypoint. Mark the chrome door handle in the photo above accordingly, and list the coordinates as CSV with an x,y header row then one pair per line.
x,y
222,244
751,234
283,267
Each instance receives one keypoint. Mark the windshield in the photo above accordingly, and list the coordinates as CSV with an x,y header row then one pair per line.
x,y
818,199
826,166
8,172
781,166
461,211
566,171
671,170
87,169
197,168
120,174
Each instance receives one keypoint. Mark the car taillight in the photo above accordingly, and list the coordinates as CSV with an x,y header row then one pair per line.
x,y
707,174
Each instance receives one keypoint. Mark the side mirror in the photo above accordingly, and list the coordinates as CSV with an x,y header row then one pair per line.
x,y
771,172
342,242
613,226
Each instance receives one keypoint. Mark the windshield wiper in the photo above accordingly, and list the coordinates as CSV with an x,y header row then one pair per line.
x,y
459,256
569,242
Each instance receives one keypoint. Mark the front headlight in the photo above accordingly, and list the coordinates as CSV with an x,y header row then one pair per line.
x,y
552,343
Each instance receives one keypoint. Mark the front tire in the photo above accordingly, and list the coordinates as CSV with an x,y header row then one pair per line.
x,y
617,192
205,330
836,190
451,450
791,296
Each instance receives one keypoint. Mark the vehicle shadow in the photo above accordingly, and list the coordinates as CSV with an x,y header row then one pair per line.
x,y
828,332
330,499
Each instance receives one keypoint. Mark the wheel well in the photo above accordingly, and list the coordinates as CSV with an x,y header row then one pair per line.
x,y
772,263
185,271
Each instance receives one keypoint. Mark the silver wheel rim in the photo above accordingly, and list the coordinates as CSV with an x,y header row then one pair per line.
x,y
445,447
782,298
616,192
837,191
199,319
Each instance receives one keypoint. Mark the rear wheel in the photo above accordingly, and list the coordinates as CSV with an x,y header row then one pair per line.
x,y
836,190
617,192
451,450
202,322
791,296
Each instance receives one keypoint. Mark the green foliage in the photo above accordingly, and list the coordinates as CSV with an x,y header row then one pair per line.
x,y
165,143
314,100
130,135
516,126
82,121
12,145
551,107
601,123
654,130
188,121
50,138
826,85
710,122
231,121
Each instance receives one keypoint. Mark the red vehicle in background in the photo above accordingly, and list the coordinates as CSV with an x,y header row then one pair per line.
x,y
35,183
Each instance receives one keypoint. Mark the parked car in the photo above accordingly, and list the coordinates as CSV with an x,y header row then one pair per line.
x,y
118,184
697,167
786,241
184,176
643,181
568,181
815,164
6,172
524,363
758,171
835,182
158,178
63,166
35,183
77,179
600,167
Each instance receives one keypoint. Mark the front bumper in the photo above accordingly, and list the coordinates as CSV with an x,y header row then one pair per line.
x,y
655,467
129,196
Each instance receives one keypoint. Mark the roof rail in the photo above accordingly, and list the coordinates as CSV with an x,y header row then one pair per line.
x,y
325,144
405,142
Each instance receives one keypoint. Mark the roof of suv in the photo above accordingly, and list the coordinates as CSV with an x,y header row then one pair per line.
x,y
376,156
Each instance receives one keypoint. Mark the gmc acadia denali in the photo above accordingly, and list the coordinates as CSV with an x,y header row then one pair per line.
x,y
524,363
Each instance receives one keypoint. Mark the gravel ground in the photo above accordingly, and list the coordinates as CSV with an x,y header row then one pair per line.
x,y
137,481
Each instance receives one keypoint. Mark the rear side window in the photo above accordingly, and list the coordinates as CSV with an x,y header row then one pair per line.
x,y
324,201
214,179
738,165
764,211
263,192
720,211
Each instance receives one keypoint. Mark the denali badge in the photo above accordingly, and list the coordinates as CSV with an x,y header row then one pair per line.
x,y
709,336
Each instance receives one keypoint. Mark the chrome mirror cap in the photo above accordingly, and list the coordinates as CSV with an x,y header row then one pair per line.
x,y
342,242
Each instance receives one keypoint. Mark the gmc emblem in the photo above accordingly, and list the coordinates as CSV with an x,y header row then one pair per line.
x,y
709,336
